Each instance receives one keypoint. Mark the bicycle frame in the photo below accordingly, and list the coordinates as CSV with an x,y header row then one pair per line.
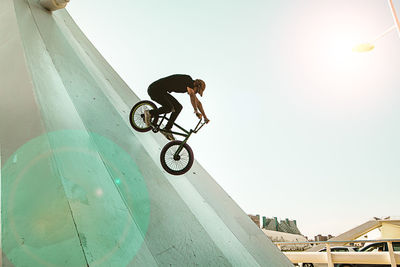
x,y
185,133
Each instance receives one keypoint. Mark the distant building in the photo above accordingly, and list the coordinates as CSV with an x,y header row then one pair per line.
x,y
255,219
323,238
285,226
284,231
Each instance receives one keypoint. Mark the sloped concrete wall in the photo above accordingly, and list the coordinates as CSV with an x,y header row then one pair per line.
x,y
79,186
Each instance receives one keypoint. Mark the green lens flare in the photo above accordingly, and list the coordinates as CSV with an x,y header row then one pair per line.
x,y
60,200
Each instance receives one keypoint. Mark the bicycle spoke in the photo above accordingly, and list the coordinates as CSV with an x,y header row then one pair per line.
x,y
173,164
138,118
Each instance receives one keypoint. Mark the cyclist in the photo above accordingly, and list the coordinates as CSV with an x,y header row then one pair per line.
x,y
160,90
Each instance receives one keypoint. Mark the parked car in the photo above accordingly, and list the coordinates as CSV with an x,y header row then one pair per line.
x,y
374,247
333,249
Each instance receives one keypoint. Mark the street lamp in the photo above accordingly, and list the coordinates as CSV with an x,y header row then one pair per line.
x,y
394,14
369,46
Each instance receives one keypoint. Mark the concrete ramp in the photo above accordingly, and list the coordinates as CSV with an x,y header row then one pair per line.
x,y
78,186
352,234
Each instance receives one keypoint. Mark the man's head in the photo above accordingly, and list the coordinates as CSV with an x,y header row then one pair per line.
x,y
199,86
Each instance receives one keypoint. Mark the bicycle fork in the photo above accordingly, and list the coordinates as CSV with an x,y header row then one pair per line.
x,y
178,151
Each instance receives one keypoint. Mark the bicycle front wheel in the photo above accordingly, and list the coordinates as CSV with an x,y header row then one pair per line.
x,y
136,117
173,163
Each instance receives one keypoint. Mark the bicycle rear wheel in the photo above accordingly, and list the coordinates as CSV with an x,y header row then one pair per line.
x,y
136,117
176,164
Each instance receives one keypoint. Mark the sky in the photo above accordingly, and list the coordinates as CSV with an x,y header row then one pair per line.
x,y
300,126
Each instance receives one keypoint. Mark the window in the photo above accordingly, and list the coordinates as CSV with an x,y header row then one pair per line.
x,y
375,247
340,250
396,246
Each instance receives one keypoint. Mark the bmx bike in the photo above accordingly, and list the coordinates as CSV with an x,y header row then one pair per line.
x,y
176,156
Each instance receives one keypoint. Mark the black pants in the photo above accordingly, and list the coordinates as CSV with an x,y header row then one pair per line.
x,y
168,103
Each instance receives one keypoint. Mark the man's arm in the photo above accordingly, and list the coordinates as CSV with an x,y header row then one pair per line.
x,y
200,106
193,98
197,105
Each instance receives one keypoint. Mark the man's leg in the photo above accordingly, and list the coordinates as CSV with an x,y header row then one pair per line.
x,y
177,107
161,97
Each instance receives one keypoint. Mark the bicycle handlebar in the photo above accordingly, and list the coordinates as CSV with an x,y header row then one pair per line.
x,y
197,128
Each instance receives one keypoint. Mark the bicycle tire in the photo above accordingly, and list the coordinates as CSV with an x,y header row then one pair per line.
x,y
173,166
136,115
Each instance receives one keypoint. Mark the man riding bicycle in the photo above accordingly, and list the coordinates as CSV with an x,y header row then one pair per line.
x,y
160,90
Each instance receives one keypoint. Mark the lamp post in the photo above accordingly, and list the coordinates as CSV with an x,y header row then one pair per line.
x,y
370,45
395,17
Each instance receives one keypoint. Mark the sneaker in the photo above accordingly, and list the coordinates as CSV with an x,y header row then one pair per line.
x,y
147,118
169,136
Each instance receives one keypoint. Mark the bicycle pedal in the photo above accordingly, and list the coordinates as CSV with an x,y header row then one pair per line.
x,y
154,129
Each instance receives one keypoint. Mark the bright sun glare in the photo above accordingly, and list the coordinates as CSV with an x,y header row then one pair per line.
x,y
338,80
341,56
